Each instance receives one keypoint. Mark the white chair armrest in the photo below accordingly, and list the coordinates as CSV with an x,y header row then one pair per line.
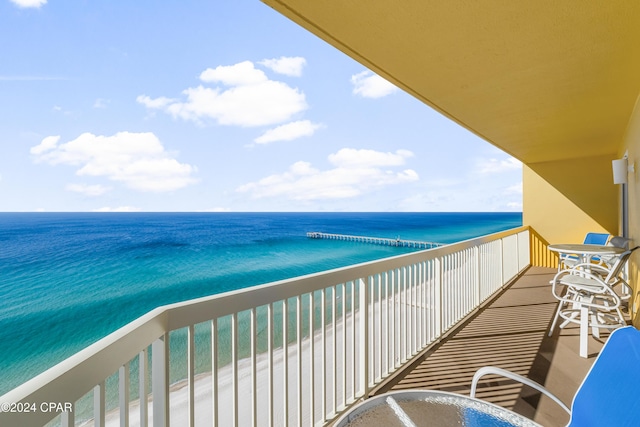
x,y
488,370
599,268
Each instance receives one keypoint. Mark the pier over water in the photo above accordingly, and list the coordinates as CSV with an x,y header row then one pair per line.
x,y
375,240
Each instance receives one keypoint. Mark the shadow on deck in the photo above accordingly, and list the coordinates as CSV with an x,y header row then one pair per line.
x,y
511,333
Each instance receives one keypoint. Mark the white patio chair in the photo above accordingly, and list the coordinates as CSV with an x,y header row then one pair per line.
x,y
618,242
607,395
588,291
609,261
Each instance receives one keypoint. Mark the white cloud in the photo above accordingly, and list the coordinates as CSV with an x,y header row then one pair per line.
x,y
370,85
490,166
349,157
251,99
288,132
101,103
216,210
47,144
349,178
59,109
29,3
289,66
443,182
118,209
429,200
241,74
138,160
473,195
157,103
88,190
514,189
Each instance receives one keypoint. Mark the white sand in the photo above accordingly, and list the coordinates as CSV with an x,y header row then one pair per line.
x,y
203,390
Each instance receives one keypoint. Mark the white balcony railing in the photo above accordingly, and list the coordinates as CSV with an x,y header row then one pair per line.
x,y
293,352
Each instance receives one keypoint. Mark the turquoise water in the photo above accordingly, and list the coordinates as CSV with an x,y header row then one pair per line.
x,y
67,280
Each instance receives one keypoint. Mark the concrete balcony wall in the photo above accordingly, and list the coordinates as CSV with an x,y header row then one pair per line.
x,y
631,145
565,199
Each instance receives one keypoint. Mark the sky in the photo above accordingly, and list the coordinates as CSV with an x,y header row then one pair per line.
x,y
225,105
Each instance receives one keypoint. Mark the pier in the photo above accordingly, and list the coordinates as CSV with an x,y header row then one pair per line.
x,y
375,240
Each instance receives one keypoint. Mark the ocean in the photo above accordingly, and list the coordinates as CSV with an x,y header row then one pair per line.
x,y
69,279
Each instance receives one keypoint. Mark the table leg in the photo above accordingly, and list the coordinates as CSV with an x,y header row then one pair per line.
x,y
584,331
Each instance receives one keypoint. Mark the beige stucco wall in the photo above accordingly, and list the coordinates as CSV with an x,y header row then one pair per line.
x,y
565,199
632,145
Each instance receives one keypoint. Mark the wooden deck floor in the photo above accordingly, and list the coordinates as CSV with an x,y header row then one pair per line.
x,y
511,333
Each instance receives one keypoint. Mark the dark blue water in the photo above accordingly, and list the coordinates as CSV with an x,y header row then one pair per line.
x,y
68,279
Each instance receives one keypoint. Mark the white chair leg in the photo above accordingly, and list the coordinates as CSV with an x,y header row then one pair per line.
x,y
595,330
621,319
555,318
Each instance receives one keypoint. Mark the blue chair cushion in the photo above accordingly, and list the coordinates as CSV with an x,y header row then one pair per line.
x,y
608,395
596,239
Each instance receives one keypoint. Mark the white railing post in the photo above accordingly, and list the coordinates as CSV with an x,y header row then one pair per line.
x,y
334,349
371,312
160,381
478,286
415,307
123,394
298,362
285,363
364,336
524,258
143,372
391,315
234,368
423,305
214,371
270,394
99,405
437,304
343,298
254,370
402,301
323,356
502,263
517,252
353,344
67,419
191,363
312,355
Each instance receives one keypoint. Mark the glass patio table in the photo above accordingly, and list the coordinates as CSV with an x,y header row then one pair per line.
x,y
431,408
585,251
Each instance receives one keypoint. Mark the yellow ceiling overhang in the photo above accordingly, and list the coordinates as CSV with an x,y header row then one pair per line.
x,y
542,80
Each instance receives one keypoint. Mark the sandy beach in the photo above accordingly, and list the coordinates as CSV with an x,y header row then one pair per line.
x,y
203,388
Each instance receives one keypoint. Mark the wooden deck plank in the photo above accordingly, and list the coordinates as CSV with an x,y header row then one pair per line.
x,y
510,333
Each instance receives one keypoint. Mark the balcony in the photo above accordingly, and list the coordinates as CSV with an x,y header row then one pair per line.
x,y
348,333
510,332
